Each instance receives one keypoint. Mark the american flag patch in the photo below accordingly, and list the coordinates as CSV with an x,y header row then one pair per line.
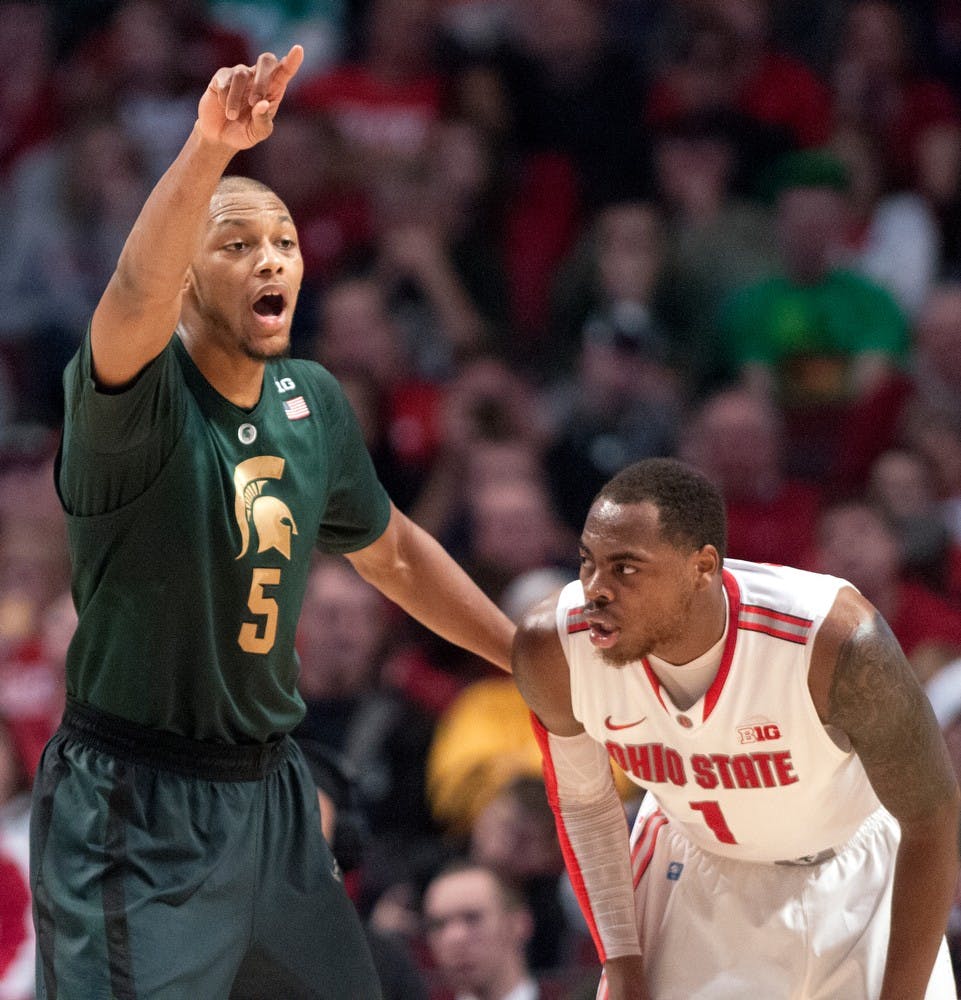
x,y
576,621
296,408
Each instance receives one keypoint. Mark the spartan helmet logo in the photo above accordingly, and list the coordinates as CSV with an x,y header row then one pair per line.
x,y
270,516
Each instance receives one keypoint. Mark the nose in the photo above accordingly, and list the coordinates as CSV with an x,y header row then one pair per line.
x,y
597,588
269,258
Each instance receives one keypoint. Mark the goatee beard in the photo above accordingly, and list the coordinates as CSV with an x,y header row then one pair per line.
x,y
254,354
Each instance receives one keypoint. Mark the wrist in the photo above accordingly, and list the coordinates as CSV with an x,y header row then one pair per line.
x,y
209,147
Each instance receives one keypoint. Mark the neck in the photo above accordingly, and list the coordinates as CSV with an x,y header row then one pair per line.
x,y
706,620
236,377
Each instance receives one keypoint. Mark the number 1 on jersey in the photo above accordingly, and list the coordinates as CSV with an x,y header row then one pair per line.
x,y
711,811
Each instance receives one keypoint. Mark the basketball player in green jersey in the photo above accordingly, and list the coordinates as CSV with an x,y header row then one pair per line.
x,y
176,846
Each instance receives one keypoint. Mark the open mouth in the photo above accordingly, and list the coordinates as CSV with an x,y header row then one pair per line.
x,y
603,634
271,304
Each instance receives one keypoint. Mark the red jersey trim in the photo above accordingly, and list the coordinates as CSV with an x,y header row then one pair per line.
x,y
655,683
779,624
727,657
644,847
570,858
576,621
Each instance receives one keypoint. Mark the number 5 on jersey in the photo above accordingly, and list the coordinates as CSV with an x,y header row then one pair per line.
x,y
259,636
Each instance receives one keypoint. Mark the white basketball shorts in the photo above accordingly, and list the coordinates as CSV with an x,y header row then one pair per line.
x,y
713,928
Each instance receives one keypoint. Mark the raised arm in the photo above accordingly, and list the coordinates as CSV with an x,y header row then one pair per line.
x,y
591,824
869,691
411,567
140,307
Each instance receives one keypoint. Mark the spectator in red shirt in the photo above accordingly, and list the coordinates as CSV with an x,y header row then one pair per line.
x,y
737,440
857,543
877,84
384,102
16,924
32,682
29,112
728,60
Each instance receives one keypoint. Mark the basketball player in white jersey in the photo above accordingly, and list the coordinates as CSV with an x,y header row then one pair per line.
x,y
799,835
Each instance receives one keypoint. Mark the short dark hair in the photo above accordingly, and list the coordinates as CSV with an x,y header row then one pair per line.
x,y
510,896
233,183
690,506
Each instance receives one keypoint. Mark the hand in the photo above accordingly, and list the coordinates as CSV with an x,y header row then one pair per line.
x,y
239,105
625,978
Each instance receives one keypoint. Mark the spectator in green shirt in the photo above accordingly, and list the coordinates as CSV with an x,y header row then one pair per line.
x,y
812,336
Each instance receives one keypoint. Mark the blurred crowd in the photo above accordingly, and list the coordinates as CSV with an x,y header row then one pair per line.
x,y
542,238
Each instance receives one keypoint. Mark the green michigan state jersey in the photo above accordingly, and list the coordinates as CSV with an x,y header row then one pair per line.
x,y
191,525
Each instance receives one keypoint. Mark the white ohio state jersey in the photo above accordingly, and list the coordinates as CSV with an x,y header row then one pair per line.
x,y
749,770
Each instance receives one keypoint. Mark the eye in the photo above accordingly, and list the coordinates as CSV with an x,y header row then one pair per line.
x,y
236,245
286,243
626,569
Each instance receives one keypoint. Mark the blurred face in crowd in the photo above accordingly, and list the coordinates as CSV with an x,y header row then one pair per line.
x,y
735,442
357,333
475,932
512,526
855,544
629,251
810,221
515,839
901,482
874,36
341,631
938,333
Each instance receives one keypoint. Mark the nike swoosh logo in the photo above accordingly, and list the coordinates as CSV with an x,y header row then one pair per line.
x,y
622,725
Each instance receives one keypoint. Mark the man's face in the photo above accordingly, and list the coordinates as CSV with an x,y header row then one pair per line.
x,y
340,632
810,222
639,587
855,544
246,276
470,930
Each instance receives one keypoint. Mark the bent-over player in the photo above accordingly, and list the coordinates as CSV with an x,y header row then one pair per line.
x,y
798,838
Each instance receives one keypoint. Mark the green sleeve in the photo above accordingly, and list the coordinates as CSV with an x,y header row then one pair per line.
x,y
116,443
358,507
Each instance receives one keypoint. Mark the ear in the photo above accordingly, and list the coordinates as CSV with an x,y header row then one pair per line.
x,y
707,565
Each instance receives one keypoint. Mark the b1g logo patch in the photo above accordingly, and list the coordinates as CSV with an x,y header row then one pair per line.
x,y
758,733
674,870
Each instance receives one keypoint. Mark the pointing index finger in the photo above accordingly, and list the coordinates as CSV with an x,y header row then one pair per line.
x,y
283,73
288,66
271,76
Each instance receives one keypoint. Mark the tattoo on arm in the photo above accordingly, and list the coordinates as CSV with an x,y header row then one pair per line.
x,y
876,699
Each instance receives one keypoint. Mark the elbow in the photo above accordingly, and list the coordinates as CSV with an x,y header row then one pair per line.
x,y
938,825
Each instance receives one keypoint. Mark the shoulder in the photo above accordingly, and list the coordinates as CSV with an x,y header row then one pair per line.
x,y
300,377
302,372
873,696
540,668
785,589
537,631
854,653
